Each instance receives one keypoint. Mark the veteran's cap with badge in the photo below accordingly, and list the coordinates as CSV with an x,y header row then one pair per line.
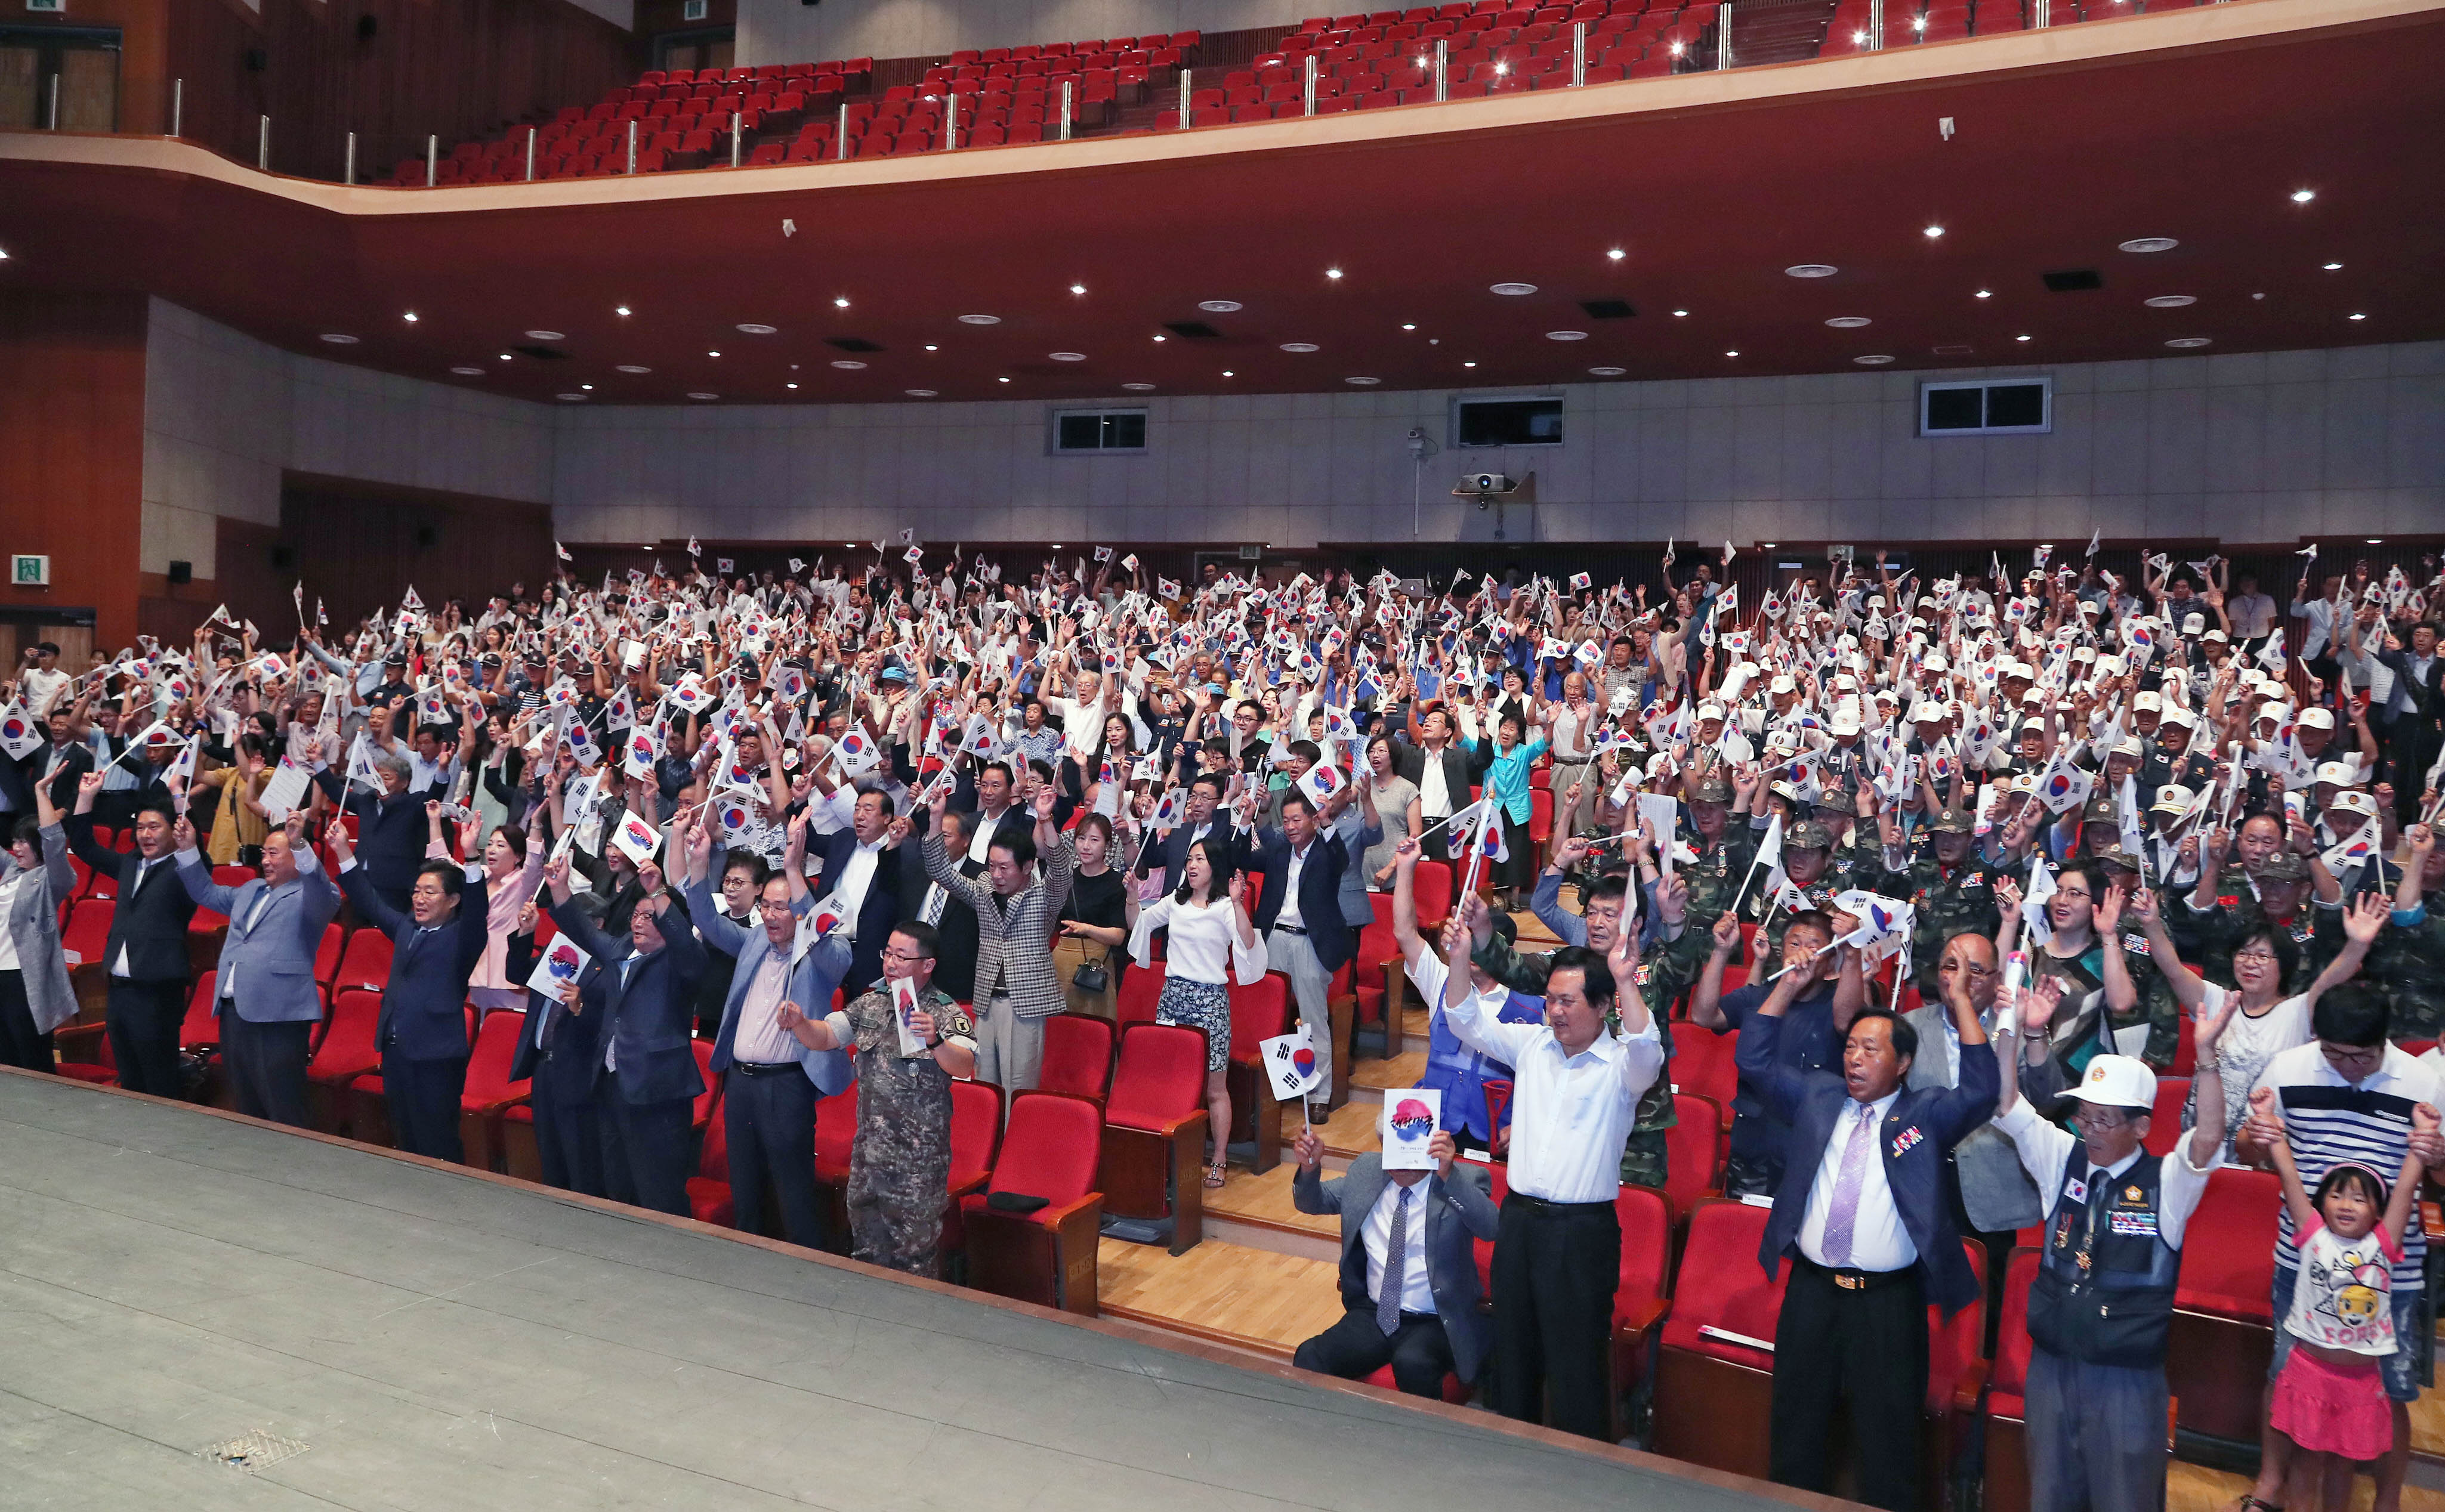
x,y
1711,790
1953,821
2117,1081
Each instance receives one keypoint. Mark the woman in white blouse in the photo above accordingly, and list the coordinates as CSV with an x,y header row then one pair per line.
x,y
1211,943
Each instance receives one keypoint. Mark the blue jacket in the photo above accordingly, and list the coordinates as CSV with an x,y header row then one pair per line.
x,y
812,979
424,1003
1919,1129
268,962
391,833
1328,932
649,1015
562,1065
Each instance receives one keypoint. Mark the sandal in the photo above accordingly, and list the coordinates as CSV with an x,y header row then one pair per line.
x,y
1215,1174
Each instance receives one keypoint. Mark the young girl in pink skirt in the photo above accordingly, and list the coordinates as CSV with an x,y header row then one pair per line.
x,y
2330,1397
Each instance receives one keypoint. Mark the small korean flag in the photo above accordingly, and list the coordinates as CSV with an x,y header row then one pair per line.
x,y
1581,580
559,964
637,839
1291,1065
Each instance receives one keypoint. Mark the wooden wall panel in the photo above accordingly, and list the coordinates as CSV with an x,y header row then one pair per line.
x,y
359,546
145,45
72,450
460,68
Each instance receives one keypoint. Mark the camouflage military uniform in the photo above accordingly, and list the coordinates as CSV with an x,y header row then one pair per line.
x,y
2407,963
1716,875
2317,931
1806,835
900,1167
1664,971
1944,901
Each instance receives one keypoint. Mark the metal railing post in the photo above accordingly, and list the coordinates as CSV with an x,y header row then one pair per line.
x,y
1723,34
1877,24
263,143
950,123
1578,54
737,121
1443,69
349,174
432,161
532,134
178,106
1184,91
2045,16
840,141
1066,88
1309,82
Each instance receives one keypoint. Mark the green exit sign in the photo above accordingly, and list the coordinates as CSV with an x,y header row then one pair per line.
x,y
31,571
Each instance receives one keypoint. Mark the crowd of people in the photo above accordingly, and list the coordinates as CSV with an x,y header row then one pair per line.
x,y
1978,847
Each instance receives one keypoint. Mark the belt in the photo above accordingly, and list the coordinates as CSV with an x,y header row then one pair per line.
x,y
1289,929
762,1068
1851,1278
1542,1204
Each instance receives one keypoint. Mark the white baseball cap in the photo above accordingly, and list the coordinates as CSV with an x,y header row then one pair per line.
x,y
2316,718
2338,772
2181,719
2117,1081
2172,798
2144,702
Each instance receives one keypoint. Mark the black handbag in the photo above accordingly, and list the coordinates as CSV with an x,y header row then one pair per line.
x,y
1093,977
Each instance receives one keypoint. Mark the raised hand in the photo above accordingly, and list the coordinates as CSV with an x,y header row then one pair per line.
x,y
2365,918
1728,934
2037,1003
91,783
182,834
2264,1123
1672,899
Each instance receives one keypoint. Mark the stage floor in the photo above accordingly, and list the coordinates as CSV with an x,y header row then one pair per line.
x,y
172,1280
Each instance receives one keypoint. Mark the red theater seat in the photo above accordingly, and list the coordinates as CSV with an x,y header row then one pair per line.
x,y
489,1091
1077,1054
708,1191
346,1053
365,965
1257,1014
2006,1487
1691,1146
1710,1393
1702,1063
1154,1131
2223,1330
1047,1256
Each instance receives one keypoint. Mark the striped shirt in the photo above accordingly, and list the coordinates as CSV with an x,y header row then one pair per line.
x,y
2329,1120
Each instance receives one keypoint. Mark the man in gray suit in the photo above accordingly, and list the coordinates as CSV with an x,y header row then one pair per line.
x,y
1992,1191
1409,1273
265,996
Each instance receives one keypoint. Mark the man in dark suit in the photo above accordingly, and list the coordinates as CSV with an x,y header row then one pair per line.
x,y
391,829
1441,766
1409,1270
646,1082
422,1029
147,954
2414,716
560,1049
1300,912
1200,822
267,999
988,813
62,762
1863,1214
860,876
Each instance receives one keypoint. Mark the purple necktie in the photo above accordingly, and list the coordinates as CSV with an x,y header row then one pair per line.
x,y
1844,1211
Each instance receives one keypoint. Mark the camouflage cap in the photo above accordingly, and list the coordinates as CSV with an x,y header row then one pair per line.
x,y
1711,790
1953,821
1808,835
2283,866
2100,808
2114,856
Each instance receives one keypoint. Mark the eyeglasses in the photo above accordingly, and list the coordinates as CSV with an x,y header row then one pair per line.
x,y
2262,958
904,956
2097,1120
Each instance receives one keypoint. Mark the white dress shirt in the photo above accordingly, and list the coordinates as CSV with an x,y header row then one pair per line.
x,y
1434,795
760,1038
986,825
1571,1115
1417,1292
850,887
1290,914
1878,1242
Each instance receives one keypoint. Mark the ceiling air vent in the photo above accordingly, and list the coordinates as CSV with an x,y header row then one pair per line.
x,y
2074,281
1607,308
1195,330
851,344
547,354
1953,349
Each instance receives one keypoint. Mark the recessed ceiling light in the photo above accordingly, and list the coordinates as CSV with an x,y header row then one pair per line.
x,y
840,302
789,385
701,394
1408,326
3,256
751,328
1067,357
1679,312
2376,540
632,367
1005,379
1332,272
1463,364
1812,269
571,398
1299,346
2331,267
2148,244
467,372
1363,383
2020,338
1566,335
588,387
546,336
981,320
1933,232
1607,372
713,354
2302,196
1218,306
922,393
1138,388
1514,288
2188,342
1077,289
2170,301
1162,338
1873,360
2359,317
1228,373
621,310
409,317
1616,254
848,364
1733,353
931,348
336,339
1847,322
505,357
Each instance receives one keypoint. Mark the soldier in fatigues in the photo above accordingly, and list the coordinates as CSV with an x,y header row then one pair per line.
x,y
1948,889
2407,963
1806,851
2277,894
1726,842
1662,971
900,1166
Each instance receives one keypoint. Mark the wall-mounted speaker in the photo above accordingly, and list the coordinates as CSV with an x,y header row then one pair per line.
x,y
284,558
426,536
367,26
181,573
